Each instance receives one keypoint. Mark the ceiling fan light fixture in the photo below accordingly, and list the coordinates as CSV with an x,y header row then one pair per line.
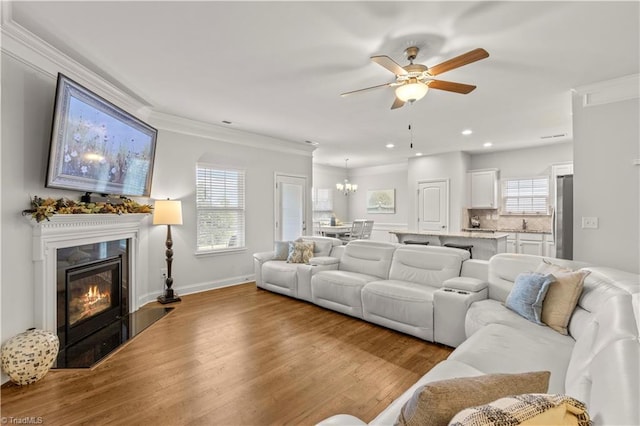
x,y
410,92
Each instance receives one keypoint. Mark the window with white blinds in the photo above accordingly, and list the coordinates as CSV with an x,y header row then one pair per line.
x,y
322,199
526,195
220,207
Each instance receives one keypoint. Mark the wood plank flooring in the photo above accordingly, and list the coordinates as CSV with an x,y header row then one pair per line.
x,y
235,356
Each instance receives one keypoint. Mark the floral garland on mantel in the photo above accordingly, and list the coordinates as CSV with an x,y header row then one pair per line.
x,y
42,209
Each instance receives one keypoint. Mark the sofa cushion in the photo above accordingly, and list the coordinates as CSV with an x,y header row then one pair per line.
x,y
340,290
281,275
525,409
437,402
489,311
300,252
499,348
368,257
527,295
426,265
401,305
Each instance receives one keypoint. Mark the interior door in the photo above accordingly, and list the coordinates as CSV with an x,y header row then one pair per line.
x,y
433,205
290,207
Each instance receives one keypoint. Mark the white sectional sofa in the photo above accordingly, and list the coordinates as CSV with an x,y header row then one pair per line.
x,y
460,302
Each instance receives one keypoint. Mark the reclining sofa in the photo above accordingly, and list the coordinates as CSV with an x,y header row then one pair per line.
x,y
438,294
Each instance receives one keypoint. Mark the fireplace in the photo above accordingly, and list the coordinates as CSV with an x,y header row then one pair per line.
x,y
92,297
92,288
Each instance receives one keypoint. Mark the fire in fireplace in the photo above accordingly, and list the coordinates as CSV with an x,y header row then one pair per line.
x,y
92,297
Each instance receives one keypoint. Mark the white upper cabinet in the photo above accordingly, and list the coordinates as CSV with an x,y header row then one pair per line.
x,y
483,189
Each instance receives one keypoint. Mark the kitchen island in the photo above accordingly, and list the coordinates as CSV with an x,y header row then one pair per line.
x,y
485,244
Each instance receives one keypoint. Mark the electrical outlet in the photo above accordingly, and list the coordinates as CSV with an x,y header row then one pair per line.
x,y
589,222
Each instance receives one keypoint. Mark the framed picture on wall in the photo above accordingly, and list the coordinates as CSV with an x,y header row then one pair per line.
x,y
381,201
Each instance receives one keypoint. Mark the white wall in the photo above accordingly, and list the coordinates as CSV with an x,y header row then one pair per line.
x,y
525,162
326,177
27,107
174,177
452,166
393,176
606,182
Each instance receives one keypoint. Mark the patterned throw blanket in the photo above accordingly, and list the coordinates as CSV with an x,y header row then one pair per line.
x,y
515,410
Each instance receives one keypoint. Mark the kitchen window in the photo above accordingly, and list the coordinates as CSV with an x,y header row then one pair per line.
x,y
525,196
220,208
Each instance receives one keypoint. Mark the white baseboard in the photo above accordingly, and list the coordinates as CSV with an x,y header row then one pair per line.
x,y
198,288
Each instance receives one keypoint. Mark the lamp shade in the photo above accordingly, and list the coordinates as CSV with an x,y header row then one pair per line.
x,y
167,212
410,92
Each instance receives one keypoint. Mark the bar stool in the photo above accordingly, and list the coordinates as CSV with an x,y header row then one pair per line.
x,y
461,246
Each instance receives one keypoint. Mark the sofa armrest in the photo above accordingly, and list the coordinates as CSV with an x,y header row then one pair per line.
x,y
264,256
341,420
324,260
475,268
468,284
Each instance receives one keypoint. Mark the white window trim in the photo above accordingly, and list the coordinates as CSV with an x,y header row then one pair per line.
x,y
222,250
503,198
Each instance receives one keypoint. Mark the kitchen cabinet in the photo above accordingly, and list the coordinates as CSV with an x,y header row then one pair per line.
x,y
530,243
512,243
483,189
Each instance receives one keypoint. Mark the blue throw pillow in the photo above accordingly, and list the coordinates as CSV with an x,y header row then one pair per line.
x,y
527,295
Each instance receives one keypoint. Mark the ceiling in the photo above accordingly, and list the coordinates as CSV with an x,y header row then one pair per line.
x,y
277,68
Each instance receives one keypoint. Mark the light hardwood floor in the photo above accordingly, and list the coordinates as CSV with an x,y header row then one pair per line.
x,y
235,356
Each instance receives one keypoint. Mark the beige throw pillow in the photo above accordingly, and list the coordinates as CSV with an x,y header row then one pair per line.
x,y
562,296
300,252
437,402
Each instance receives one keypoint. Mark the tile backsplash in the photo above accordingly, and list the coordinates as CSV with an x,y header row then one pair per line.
x,y
491,219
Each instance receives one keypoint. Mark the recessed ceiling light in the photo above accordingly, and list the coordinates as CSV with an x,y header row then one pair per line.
x,y
418,154
312,143
467,132
389,145
487,144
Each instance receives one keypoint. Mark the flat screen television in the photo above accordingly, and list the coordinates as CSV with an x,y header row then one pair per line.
x,y
97,147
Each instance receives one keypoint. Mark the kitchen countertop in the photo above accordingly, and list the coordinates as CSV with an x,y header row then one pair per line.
x,y
528,231
463,234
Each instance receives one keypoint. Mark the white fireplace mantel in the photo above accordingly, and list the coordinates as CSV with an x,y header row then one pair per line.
x,y
69,230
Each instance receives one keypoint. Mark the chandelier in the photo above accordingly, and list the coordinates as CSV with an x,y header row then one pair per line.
x,y
346,187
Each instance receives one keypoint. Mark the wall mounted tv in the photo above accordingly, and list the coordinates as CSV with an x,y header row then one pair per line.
x,y
97,147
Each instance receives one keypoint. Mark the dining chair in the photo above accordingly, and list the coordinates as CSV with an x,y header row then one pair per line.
x,y
357,226
366,230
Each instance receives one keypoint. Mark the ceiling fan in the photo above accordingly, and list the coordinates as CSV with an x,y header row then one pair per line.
x,y
414,80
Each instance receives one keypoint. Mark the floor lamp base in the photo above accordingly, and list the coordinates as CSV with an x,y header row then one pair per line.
x,y
164,299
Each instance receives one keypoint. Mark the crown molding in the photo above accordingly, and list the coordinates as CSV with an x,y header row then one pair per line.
x,y
606,92
27,48
35,53
219,133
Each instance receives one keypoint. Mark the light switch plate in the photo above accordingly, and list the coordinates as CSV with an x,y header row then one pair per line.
x,y
589,222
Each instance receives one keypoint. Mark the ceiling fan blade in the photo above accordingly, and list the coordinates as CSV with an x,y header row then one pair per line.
x,y
458,61
397,104
450,86
390,64
365,89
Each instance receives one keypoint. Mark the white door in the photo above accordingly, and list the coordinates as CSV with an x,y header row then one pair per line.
x,y
433,206
290,207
